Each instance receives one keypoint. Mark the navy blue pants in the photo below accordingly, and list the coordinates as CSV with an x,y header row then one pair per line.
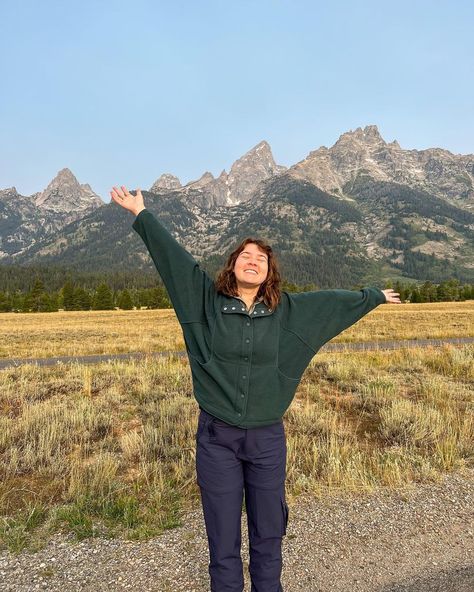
x,y
229,461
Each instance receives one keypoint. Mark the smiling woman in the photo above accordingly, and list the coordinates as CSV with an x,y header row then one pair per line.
x,y
248,344
251,274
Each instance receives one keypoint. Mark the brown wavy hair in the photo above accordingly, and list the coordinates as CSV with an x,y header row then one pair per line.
x,y
269,290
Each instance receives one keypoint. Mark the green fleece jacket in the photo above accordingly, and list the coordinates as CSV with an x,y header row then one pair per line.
x,y
246,366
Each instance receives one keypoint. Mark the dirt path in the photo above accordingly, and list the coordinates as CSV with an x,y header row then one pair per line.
x,y
414,540
94,359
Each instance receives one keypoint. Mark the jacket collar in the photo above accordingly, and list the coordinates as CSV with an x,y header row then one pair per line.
x,y
235,305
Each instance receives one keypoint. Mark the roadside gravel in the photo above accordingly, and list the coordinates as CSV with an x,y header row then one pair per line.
x,y
420,539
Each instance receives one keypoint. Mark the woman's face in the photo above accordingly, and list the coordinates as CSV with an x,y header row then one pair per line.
x,y
251,266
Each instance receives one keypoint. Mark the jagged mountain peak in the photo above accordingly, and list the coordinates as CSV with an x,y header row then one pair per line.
x,y
261,147
364,152
8,193
204,179
368,135
65,194
65,175
249,170
166,181
261,153
228,189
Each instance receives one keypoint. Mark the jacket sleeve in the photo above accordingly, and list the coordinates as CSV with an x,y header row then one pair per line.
x,y
319,316
190,289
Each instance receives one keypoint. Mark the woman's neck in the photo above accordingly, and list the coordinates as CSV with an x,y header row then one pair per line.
x,y
248,295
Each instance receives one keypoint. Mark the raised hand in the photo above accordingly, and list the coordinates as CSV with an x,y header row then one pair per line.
x,y
128,201
391,296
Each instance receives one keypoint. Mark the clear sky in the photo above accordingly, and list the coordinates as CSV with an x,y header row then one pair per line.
x,y
121,92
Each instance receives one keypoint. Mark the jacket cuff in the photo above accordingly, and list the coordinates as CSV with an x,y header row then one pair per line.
x,y
379,296
138,219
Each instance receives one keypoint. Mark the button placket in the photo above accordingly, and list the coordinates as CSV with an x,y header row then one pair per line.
x,y
245,368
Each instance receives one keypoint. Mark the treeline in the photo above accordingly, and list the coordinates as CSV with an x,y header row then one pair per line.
x,y
75,297
448,291
22,278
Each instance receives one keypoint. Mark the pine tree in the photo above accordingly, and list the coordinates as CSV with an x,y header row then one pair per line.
x,y
124,300
415,295
82,299
103,299
158,298
36,297
68,296
5,302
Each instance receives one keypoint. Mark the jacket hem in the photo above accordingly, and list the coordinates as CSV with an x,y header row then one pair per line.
x,y
245,424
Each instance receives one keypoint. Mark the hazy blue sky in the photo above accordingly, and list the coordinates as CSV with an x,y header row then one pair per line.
x,y
120,92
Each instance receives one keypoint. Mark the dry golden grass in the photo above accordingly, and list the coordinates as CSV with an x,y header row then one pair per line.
x,y
46,335
31,335
367,419
109,448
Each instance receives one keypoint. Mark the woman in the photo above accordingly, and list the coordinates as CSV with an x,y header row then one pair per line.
x,y
248,345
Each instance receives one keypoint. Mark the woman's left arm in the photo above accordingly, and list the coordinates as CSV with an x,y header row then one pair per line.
x,y
317,317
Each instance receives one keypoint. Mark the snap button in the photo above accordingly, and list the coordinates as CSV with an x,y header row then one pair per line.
x,y
248,324
233,308
225,307
247,341
242,396
239,414
244,377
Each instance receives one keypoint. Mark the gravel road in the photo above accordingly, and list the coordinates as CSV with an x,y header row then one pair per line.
x,y
419,539
328,347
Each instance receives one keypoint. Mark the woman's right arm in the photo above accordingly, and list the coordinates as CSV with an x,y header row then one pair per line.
x,y
190,289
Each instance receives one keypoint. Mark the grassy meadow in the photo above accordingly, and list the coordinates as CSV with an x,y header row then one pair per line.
x,y
44,335
108,449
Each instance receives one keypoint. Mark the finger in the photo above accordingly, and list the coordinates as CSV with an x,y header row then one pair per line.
x,y
116,198
126,191
119,192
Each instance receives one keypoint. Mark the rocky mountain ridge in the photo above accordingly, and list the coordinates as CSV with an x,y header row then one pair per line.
x,y
355,210
228,189
435,170
27,220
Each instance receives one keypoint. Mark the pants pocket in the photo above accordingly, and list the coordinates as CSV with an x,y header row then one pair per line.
x,y
267,512
202,420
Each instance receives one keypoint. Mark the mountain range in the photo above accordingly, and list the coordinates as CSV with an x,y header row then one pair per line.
x,y
358,212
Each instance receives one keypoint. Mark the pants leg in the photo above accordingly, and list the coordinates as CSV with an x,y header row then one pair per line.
x,y
220,478
267,525
222,516
229,459
267,510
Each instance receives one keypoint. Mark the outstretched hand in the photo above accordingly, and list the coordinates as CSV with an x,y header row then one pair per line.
x,y
391,296
133,203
